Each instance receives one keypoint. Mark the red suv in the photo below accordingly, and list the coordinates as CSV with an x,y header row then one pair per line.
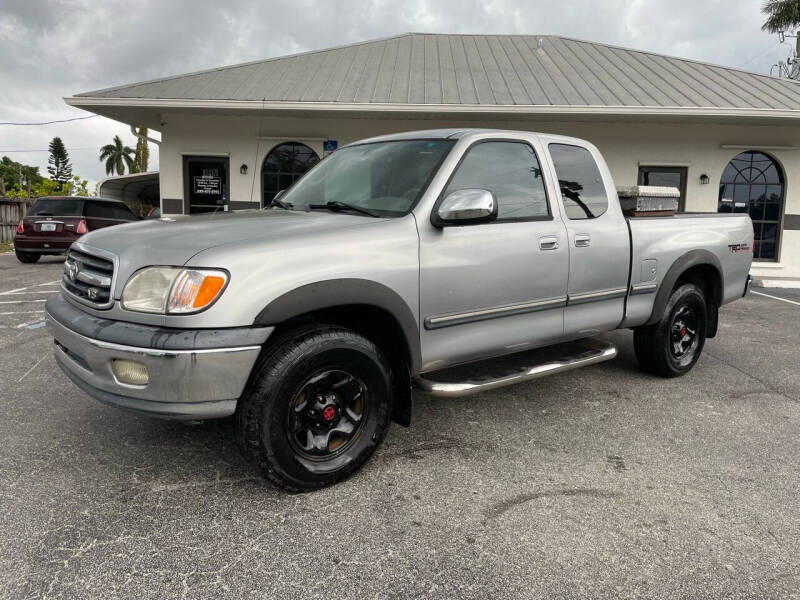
x,y
54,222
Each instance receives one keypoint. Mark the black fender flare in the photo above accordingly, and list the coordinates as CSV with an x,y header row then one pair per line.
x,y
691,259
331,293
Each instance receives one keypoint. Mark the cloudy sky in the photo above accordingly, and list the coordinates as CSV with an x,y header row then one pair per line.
x,y
56,48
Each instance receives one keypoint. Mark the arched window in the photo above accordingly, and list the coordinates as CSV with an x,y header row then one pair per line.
x,y
753,183
283,166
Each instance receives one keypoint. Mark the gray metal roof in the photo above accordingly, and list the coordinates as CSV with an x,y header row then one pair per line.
x,y
484,70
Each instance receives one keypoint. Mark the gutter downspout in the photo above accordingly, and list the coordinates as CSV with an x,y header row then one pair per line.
x,y
144,137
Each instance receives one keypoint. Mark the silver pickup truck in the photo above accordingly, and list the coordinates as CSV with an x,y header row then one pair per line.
x,y
390,265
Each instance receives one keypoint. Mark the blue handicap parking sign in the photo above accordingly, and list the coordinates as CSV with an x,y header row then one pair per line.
x,y
330,145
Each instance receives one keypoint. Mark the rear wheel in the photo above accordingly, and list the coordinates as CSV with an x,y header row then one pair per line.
x,y
317,406
27,257
672,346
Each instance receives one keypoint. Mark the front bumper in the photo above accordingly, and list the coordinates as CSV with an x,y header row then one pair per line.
x,y
192,374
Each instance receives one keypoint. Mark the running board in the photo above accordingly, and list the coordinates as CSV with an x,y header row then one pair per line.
x,y
516,368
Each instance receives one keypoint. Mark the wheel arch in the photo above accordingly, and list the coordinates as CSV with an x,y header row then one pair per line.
x,y
368,307
700,267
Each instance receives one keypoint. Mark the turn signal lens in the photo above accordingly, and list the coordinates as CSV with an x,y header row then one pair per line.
x,y
195,289
21,227
81,228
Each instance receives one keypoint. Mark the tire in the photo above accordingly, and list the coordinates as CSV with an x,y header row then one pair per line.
x,y
27,257
317,406
671,347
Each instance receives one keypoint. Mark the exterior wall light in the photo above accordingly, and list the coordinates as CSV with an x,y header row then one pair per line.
x,y
704,179
243,170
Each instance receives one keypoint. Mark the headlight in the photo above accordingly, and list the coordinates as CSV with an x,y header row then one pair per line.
x,y
172,290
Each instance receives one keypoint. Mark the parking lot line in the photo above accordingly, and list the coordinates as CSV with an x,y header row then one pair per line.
x,y
776,298
19,301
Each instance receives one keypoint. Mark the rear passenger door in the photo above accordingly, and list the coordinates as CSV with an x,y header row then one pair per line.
x,y
599,243
500,287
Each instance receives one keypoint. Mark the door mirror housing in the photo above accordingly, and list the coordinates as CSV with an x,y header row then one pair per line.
x,y
279,194
466,207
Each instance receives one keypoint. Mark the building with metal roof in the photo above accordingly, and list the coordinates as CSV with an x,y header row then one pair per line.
x,y
725,137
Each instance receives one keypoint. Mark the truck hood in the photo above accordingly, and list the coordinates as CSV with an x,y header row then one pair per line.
x,y
174,240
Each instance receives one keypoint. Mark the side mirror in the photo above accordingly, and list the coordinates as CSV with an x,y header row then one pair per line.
x,y
279,194
466,207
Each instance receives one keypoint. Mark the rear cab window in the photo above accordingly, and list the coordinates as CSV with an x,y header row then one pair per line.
x,y
56,207
582,189
511,171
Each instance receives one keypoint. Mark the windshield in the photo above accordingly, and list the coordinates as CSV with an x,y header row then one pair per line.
x,y
386,178
57,207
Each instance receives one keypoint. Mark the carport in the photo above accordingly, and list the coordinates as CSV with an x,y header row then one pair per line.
x,y
137,190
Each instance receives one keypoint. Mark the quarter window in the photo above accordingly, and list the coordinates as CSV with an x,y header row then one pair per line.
x,y
582,188
511,171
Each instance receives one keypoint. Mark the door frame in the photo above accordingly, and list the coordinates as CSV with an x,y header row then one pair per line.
x,y
187,158
683,171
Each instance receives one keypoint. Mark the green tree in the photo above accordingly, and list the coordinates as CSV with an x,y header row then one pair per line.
x,y
117,157
142,154
16,176
79,187
58,164
782,15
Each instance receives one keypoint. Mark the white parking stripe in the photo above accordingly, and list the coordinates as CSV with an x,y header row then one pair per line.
x,y
19,301
30,292
24,312
776,298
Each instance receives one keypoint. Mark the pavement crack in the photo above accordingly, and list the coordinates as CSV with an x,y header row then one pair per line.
x,y
500,508
753,377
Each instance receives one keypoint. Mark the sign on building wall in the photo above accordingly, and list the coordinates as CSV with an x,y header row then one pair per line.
x,y
329,146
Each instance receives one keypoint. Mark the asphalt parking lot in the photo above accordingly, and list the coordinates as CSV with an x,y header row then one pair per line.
x,y
602,482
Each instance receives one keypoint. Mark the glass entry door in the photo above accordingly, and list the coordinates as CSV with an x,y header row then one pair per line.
x,y
667,177
205,184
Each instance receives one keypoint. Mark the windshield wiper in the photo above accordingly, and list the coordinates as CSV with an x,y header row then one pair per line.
x,y
280,203
336,205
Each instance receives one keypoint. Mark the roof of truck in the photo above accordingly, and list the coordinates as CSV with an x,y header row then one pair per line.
x,y
455,134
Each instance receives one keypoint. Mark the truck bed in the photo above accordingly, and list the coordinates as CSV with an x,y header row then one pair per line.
x,y
658,242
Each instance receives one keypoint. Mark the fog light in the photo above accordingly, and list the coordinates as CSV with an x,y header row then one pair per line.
x,y
130,372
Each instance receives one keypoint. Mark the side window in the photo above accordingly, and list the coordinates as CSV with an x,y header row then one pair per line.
x,y
580,181
96,210
121,212
510,170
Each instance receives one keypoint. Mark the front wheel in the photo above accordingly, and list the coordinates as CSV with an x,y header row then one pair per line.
x,y
672,346
317,406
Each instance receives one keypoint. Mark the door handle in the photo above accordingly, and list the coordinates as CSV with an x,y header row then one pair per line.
x,y
582,240
548,243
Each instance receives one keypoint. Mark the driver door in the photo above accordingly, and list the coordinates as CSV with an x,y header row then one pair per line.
x,y
500,287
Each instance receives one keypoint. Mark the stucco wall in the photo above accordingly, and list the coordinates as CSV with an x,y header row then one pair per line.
x,y
626,146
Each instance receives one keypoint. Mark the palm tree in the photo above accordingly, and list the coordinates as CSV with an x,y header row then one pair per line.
x,y
782,15
117,157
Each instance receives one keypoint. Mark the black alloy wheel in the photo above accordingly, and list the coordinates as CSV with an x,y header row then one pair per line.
x,y
326,414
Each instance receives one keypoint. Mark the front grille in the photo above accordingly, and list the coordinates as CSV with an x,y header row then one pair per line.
x,y
88,276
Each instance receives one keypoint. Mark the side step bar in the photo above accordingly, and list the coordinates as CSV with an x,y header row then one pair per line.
x,y
515,368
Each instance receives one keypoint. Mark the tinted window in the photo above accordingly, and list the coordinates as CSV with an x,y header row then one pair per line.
x,y
511,172
121,212
98,210
580,181
57,207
